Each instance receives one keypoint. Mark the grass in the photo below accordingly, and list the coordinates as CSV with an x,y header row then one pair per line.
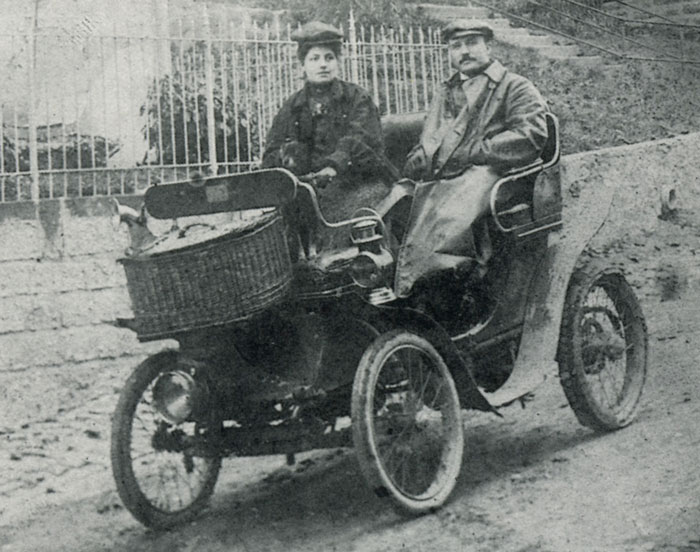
x,y
693,9
611,103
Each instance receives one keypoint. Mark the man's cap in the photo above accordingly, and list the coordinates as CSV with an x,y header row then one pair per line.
x,y
466,27
316,32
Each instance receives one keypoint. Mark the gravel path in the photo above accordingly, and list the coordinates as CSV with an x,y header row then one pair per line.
x,y
534,480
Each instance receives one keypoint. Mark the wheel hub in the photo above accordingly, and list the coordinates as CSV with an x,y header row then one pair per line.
x,y
600,344
166,439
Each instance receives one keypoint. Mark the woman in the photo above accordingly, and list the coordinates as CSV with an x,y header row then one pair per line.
x,y
331,129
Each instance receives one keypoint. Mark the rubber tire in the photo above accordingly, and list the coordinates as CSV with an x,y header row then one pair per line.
x,y
127,486
590,272
362,405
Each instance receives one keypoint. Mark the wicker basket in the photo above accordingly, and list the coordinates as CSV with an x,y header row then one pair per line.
x,y
219,280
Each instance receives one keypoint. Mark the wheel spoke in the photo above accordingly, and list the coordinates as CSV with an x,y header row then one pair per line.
x,y
437,394
613,370
610,403
411,365
413,455
424,385
158,483
395,442
604,343
403,472
143,425
177,486
150,453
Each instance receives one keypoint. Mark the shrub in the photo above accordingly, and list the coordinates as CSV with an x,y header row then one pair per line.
x,y
176,109
390,13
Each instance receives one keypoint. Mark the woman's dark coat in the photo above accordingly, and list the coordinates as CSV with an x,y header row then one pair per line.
x,y
344,132
340,128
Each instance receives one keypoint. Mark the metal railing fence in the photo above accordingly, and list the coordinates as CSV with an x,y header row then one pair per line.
x,y
616,35
121,112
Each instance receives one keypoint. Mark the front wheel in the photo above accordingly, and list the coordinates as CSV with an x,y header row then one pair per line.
x,y
407,423
602,347
160,481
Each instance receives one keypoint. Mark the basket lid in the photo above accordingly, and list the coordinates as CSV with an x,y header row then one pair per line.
x,y
197,234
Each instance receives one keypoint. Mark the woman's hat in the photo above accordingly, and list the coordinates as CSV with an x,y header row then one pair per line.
x,y
316,32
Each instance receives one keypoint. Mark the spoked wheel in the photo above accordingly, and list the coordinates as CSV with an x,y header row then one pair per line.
x,y
407,423
159,478
602,348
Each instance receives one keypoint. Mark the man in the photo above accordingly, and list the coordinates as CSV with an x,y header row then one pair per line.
x,y
483,121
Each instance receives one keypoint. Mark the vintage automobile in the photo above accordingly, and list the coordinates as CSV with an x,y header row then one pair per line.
x,y
281,352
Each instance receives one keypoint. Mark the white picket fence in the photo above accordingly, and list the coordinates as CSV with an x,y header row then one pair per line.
x,y
100,114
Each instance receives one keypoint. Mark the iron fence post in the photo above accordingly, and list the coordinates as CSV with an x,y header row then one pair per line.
x,y
31,115
209,77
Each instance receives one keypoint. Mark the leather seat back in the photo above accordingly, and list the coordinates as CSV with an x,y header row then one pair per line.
x,y
401,133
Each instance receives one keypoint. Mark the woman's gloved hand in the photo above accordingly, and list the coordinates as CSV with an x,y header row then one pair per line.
x,y
294,156
324,177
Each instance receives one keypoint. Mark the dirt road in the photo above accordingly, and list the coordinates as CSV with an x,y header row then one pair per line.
x,y
532,481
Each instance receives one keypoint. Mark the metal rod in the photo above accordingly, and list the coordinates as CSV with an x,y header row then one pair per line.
x,y
132,130
595,26
33,146
148,117
247,95
171,100
117,73
375,80
361,53
258,93
423,69
387,94
236,114
104,110
550,29
45,89
2,155
195,92
667,20
224,99
209,79
413,76
183,84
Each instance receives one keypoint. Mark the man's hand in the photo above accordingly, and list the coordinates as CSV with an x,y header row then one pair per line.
x,y
416,164
324,177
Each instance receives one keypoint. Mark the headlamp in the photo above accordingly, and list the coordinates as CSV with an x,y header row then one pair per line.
x,y
176,395
369,269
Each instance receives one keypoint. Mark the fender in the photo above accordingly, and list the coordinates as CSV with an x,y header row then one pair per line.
x,y
583,215
417,322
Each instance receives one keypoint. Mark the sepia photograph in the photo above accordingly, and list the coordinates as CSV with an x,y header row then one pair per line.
x,y
350,276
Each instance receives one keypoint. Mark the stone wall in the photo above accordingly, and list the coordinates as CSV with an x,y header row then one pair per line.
x,y
60,282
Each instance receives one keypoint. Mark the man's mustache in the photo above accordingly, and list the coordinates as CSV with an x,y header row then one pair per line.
x,y
466,58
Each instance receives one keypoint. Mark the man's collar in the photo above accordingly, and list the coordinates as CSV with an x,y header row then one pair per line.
x,y
494,71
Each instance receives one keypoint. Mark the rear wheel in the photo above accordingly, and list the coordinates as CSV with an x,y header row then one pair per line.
x,y
602,347
160,481
407,423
